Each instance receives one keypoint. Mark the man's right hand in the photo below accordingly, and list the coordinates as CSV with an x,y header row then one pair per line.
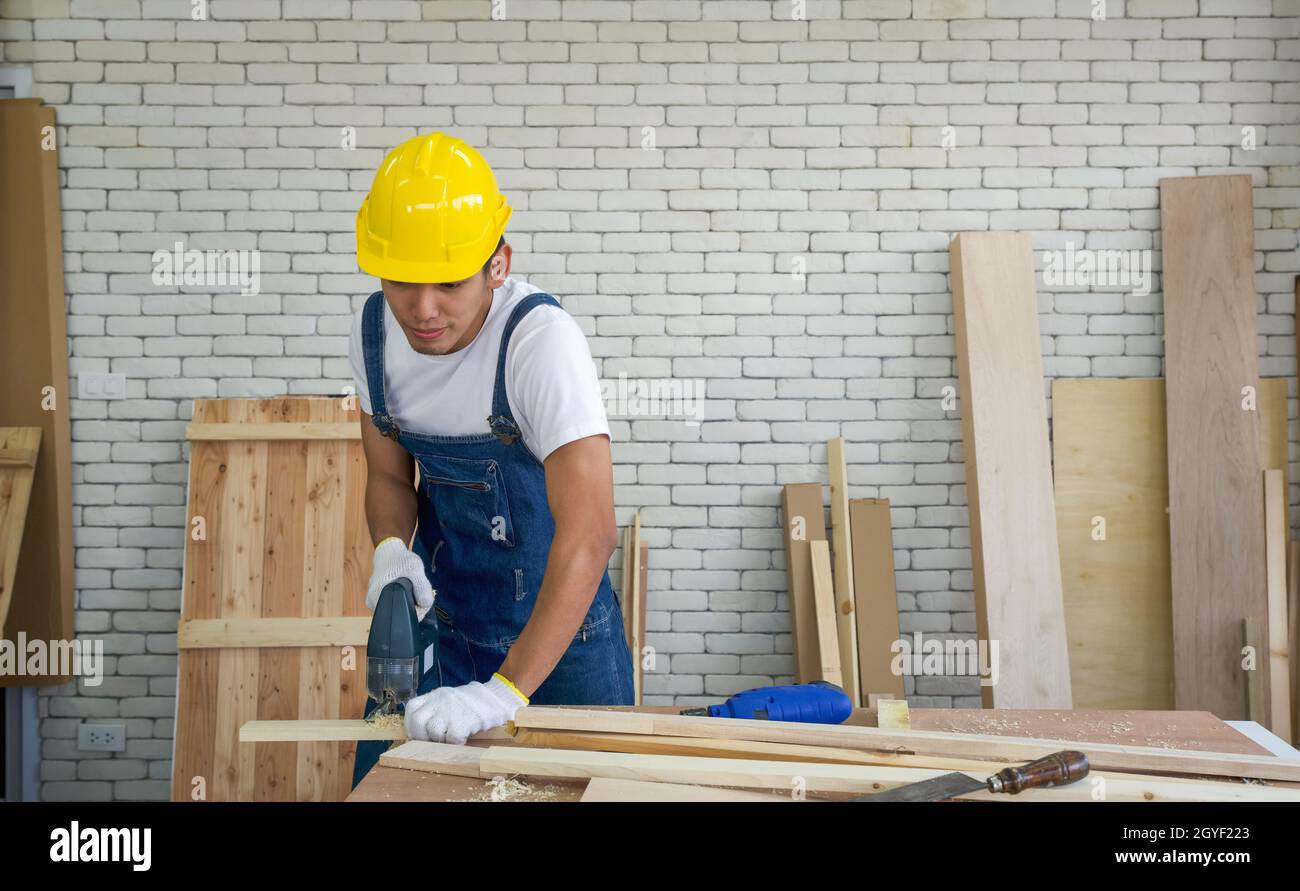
x,y
394,560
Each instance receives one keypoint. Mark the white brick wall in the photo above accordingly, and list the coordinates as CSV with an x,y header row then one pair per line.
x,y
817,139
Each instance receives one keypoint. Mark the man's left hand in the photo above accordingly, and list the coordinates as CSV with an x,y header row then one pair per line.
x,y
454,714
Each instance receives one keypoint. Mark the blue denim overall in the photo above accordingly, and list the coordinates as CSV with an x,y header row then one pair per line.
x,y
484,533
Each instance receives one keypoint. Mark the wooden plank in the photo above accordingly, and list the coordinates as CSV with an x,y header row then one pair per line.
x,y
314,731
259,631
607,789
1275,542
1014,556
438,757
336,730
893,715
636,616
15,495
1293,634
804,521
15,456
284,549
824,599
1197,731
1111,467
646,744
1215,501
875,597
255,431
862,779
34,389
961,745
845,621
639,655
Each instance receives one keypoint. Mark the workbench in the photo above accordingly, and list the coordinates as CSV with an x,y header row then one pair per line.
x,y
1197,731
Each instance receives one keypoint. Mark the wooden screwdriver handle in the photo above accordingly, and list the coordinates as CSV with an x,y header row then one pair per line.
x,y
1056,769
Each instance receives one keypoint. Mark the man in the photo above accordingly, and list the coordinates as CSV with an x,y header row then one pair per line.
x,y
487,388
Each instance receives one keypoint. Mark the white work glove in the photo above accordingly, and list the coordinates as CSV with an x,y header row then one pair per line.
x,y
393,561
454,714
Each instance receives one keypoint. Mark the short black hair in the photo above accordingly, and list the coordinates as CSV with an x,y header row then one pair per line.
x,y
488,261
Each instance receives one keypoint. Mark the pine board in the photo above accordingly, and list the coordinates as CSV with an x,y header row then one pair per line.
x,y
15,494
1014,556
1215,461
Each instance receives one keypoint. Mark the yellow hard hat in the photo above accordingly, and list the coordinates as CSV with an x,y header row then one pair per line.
x,y
434,213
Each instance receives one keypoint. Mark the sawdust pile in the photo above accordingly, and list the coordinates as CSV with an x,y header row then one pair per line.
x,y
511,789
387,722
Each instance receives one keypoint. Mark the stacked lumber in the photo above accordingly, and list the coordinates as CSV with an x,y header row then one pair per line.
x,y
698,759
843,600
273,617
1172,495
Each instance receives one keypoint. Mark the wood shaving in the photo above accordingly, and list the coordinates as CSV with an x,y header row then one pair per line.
x,y
511,789
387,722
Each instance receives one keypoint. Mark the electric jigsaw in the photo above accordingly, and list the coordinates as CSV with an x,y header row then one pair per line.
x,y
393,649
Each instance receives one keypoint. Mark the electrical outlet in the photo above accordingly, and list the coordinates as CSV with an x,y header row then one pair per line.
x,y
94,385
101,737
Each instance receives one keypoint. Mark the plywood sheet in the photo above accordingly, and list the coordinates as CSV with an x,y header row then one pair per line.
x,y
1215,499
804,520
285,538
1112,495
1014,556
34,372
876,595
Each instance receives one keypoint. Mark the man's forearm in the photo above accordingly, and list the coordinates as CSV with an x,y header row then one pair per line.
x,y
391,508
574,568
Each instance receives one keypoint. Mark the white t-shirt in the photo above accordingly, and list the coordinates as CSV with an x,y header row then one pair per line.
x,y
551,380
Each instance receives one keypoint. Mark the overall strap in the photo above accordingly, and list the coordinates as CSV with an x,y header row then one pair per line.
x,y
372,348
501,420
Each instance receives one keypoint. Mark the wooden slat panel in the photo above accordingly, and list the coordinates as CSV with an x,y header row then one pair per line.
x,y
15,495
276,430
876,596
1111,462
303,554
1215,500
34,388
804,521
282,600
1017,571
273,632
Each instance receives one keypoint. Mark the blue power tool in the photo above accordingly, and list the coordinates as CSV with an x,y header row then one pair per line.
x,y
820,702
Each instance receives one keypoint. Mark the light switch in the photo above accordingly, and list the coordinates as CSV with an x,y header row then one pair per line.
x,y
101,386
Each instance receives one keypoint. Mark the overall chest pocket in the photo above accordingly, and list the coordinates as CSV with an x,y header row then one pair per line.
x,y
469,497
